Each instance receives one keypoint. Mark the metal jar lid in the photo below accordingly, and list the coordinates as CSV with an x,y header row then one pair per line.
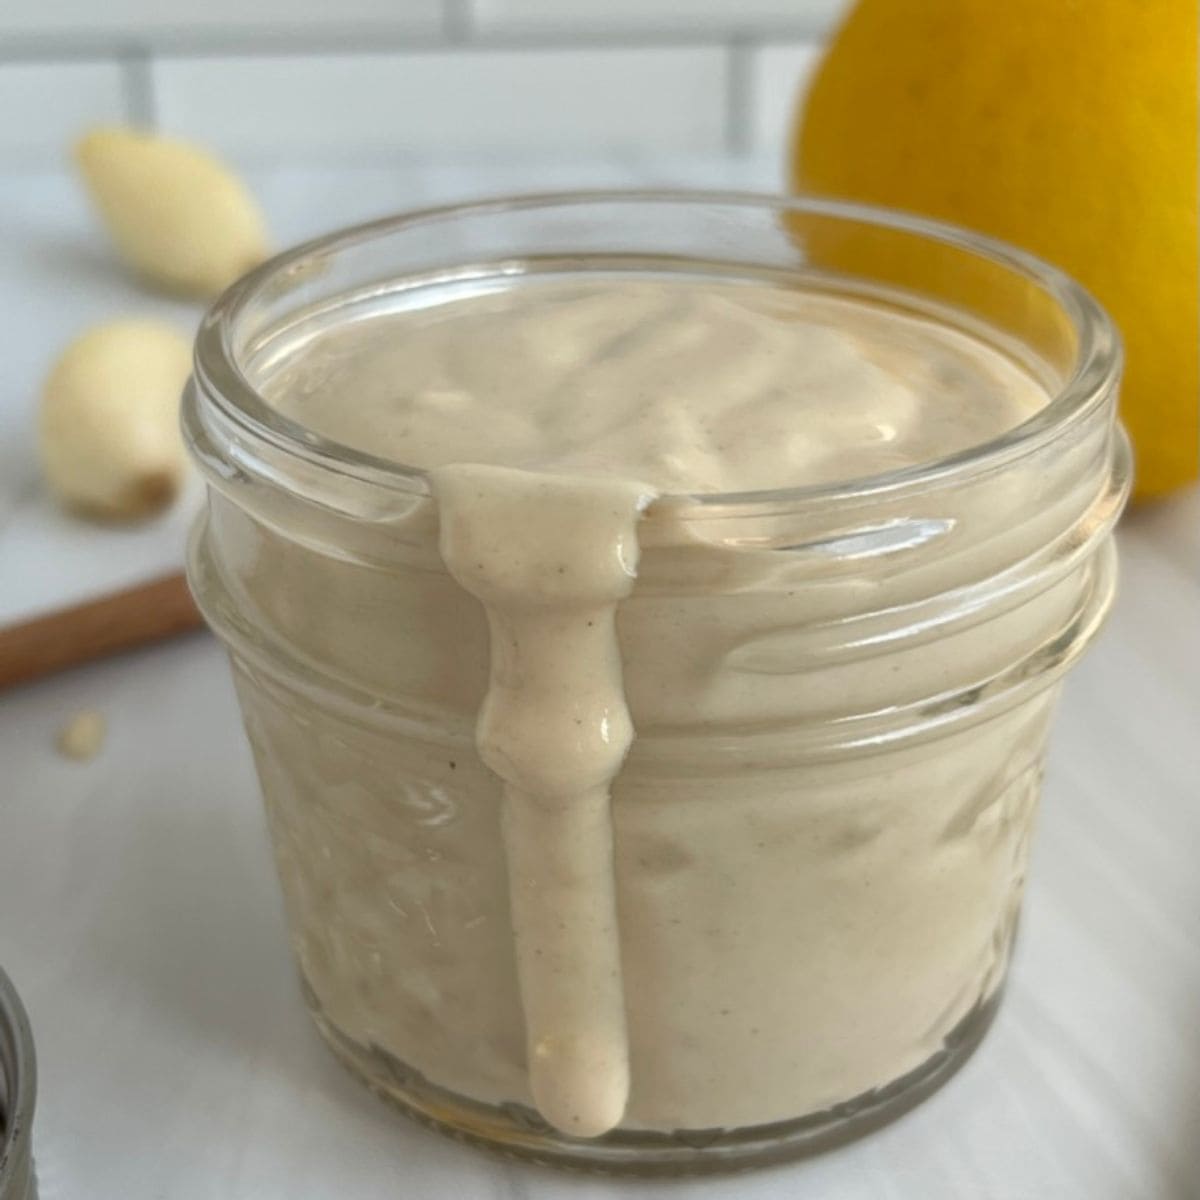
x,y
18,1086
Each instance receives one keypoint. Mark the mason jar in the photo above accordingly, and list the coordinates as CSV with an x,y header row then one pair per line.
x,y
841,695
18,1090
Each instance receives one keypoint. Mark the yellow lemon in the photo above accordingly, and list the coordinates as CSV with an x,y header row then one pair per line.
x,y
1068,127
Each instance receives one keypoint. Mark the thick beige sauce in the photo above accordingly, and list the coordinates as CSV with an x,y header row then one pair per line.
x,y
684,387
550,417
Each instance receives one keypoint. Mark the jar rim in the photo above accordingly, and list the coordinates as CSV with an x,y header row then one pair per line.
x,y
1090,381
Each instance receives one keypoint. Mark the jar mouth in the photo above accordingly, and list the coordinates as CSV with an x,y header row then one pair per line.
x,y
222,381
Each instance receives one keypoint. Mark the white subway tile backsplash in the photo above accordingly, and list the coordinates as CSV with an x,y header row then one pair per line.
x,y
576,101
779,74
44,106
147,19
811,17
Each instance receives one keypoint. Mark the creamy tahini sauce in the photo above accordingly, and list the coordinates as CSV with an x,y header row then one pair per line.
x,y
685,387
550,416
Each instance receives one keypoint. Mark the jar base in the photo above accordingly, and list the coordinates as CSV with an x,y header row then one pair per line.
x,y
517,1130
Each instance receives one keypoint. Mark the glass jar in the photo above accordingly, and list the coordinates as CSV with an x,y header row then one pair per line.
x,y
820,834
18,1088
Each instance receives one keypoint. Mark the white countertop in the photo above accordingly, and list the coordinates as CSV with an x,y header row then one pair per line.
x,y
140,920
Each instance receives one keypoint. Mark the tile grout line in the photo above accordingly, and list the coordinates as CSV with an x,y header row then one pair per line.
x,y
738,96
137,86
458,21
458,30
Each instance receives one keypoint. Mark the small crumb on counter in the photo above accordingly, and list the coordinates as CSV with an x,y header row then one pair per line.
x,y
82,736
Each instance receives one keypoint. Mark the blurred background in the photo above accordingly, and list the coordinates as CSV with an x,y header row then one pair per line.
x,y
569,79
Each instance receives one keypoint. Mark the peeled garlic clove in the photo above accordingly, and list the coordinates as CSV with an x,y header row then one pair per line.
x,y
179,216
109,421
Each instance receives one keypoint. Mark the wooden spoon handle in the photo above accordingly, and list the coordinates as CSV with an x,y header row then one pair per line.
x,y
145,613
